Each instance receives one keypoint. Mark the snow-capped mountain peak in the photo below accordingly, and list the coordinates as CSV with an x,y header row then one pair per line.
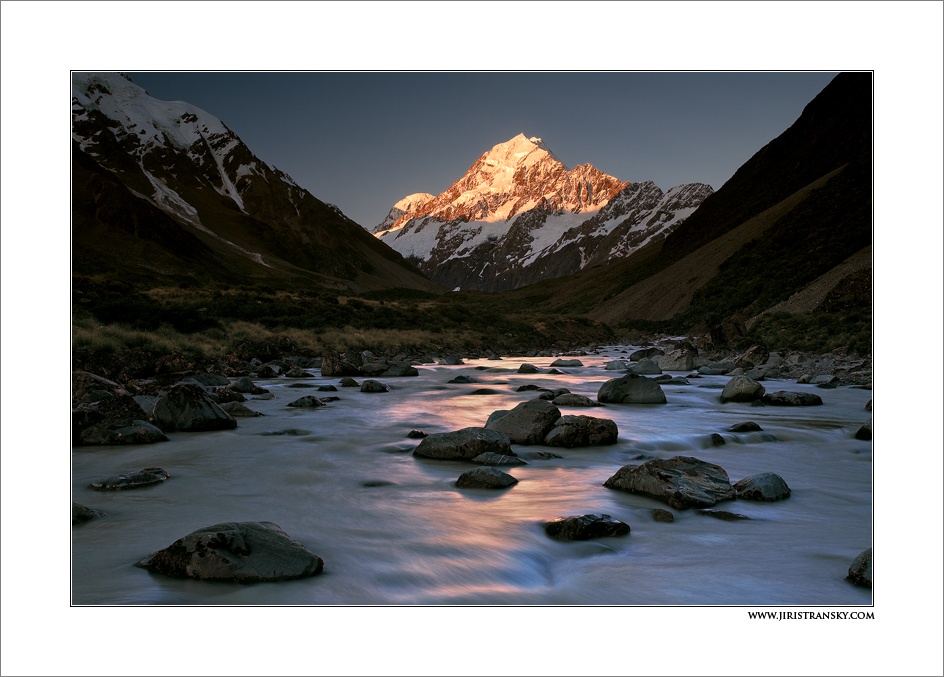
x,y
519,215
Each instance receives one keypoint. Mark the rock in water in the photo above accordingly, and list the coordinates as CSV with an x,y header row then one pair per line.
x,y
766,486
681,481
142,478
527,423
464,444
242,552
860,571
585,527
485,478
188,408
631,389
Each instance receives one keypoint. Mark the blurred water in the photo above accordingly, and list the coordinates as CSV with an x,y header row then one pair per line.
x,y
421,541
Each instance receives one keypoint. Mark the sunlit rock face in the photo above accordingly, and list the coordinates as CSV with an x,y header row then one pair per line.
x,y
519,215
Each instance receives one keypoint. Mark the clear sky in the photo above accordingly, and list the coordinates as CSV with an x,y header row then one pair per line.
x,y
364,140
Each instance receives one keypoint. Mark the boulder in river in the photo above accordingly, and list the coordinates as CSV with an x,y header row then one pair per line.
x,y
241,552
236,409
485,478
784,398
188,408
860,571
464,444
528,423
766,486
581,431
585,527
865,431
308,401
81,513
681,481
142,478
491,458
742,389
372,386
631,389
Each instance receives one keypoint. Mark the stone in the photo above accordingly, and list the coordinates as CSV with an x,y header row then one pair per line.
x,y
742,389
188,408
464,444
81,513
566,363
348,382
309,401
681,481
241,552
585,527
860,571
631,389
462,379
581,431
372,386
527,423
723,515
491,458
238,409
662,515
865,431
416,434
527,368
746,427
574,400
765,486
142,478
785,398
485,478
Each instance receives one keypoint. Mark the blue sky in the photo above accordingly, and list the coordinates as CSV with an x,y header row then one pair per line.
x,y
363,140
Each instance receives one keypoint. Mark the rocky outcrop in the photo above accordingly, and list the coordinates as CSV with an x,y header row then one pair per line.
x,y
240,552
585,527
464,444
681,481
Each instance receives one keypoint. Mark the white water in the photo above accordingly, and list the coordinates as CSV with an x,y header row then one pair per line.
x,y
422,541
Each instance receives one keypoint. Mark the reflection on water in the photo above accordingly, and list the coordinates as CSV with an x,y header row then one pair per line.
x,y
393,529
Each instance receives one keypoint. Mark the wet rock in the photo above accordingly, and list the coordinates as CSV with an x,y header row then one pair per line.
x,y
81,513
645,353
717,440
376,483
307,401
585,527
681,481
348,382
296,372
783,398
528,423
464,444
527,368
566,363
617,365
245,385
864,432
631,389
551,395
765,486
746,427
860,571
335,364
581,431
416,434
529,386
485,478
661,515
142,478
264,396
462,379
574,400
242,552
372,386
188,408
226,394
666,380
399,370
450,360
491,458
648,367
484,391
723,515
742,389
328,389
122,432
679,359
868,405
238,409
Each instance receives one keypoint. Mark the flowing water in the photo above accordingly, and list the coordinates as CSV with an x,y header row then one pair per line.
x,y
394,530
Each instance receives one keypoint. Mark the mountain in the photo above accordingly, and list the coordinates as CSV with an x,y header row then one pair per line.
x,y
518,215
165,193
787,239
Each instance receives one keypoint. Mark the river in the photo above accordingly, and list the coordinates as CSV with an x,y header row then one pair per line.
x,y
394,530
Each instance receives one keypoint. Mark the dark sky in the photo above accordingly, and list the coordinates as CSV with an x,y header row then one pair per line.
x,y
363,140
